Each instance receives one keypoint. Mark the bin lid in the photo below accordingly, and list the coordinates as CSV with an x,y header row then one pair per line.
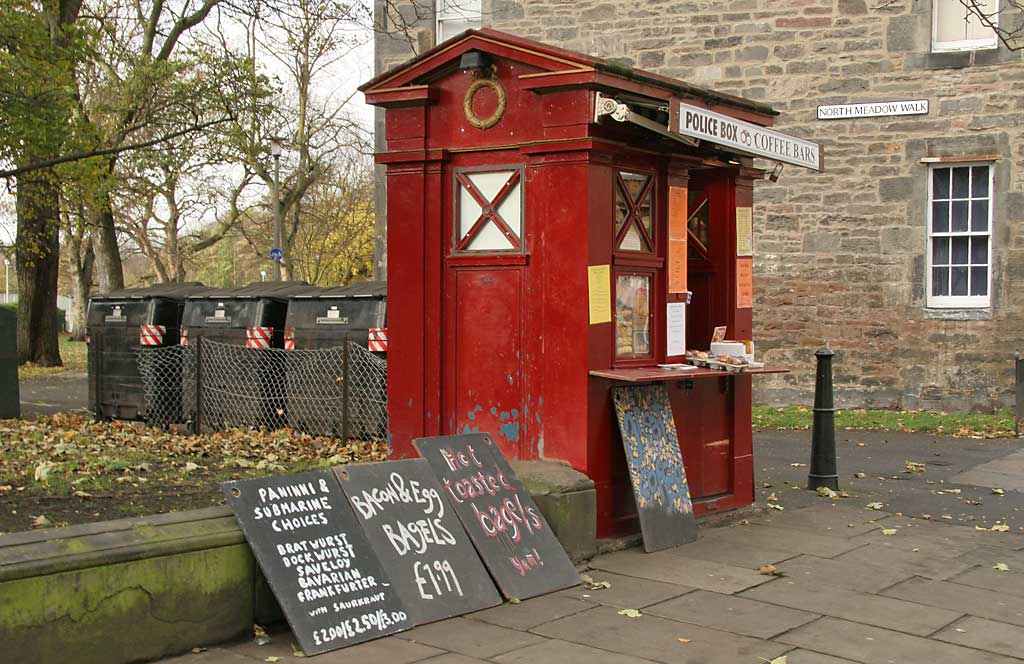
x,y
274,290
355,289
174,291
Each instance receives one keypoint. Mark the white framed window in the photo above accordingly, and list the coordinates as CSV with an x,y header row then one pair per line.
x,y
489,210
960,235
957,28
455,16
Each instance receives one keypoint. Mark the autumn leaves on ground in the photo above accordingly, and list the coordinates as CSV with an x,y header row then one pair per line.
x,y
68,469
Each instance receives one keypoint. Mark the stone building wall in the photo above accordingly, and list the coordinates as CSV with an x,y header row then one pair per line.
x,y
840,256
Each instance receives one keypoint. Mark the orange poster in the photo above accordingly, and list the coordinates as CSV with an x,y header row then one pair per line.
x,y
677,214
744,283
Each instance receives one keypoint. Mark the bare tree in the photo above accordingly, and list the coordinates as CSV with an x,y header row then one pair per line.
x,y
1006,20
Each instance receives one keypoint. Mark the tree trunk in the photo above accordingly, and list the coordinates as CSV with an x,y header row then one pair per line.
x,y
37,261
81,263
109,271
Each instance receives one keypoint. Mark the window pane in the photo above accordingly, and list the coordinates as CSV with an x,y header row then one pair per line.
x,y
975,28
979,215
949,20
960,216
646,213
621,210
632,316
979,250
960,250
958,284
979,281
940,217
634,183
961,182
698,221
940,251
940,281
979,182
940,183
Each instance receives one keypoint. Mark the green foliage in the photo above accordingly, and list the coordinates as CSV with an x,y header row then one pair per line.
x,y
968,425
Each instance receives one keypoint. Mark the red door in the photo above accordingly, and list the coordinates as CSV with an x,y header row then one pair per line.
x,y
485,340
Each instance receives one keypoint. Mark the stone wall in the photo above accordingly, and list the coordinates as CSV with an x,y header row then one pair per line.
x,y
840,255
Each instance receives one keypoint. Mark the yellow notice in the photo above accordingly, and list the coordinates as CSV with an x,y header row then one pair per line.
x,y
744,231
599,283
677,210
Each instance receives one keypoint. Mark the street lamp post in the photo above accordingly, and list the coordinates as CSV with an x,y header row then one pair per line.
x,y
276,148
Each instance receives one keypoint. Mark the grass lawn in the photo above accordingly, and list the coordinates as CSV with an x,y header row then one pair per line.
x,y
973,425
73,353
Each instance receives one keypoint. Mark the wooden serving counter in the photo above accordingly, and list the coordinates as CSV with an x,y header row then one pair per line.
x,y
658,374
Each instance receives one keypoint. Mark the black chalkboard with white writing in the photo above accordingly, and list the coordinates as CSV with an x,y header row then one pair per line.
x,y
509,532
418,539
324,573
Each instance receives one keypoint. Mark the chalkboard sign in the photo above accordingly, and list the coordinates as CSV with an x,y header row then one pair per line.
x,y
510,533
317,560
655,466
418,538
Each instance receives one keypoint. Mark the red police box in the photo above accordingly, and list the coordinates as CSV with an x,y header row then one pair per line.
x,y
549,214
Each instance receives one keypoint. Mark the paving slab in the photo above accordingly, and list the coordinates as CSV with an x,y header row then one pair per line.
x,y
672,567
729,613
730,553
474,638
658,639
832,519
985,634
874,645
389,649
447,658
1004,473
776,537
524,615
1011,582
901,557
210,656
973,601
952,535
835,573
556,651
801,656
888,612
626,592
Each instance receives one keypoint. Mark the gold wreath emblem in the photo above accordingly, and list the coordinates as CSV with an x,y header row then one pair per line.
x,y
467,103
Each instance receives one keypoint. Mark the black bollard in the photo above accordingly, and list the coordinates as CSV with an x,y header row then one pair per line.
x,y
823,429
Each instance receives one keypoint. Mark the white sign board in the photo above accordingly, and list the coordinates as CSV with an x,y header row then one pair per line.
x,y
748,137
873,109
676,322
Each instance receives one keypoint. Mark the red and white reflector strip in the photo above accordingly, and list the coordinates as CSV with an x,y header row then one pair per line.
x,y
258,337
183,335
378,339
289,338
152,335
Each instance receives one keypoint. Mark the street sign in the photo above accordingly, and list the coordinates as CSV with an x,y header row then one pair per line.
x,y
276,254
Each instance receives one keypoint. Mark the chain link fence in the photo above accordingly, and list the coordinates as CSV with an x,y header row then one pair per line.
x,y
211,386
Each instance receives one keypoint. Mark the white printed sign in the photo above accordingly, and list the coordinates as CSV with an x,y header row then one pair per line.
x,y
748,137
676,321
873,109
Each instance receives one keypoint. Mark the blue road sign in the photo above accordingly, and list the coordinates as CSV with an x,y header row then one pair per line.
x,y
276,254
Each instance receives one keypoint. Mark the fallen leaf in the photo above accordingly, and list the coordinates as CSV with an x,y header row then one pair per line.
x,y
827,492
780,659
261,636
514,600
81,494
630,613
590,584
190,466
798,465
999,528
772,496
775,506
196,651
682,640
874,506
888,531
913,467
861,444
998,492
42,473
1002,567
859,475
952,491
41,522
769,570
272,658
